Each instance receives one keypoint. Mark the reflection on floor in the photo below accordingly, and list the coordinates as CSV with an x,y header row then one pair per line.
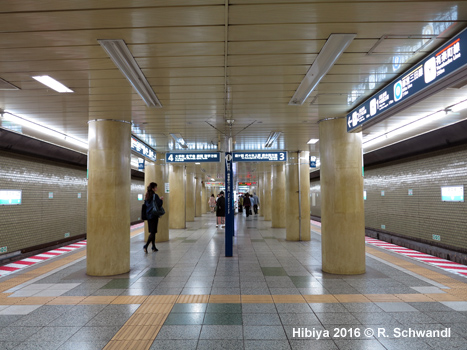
x,y
271,295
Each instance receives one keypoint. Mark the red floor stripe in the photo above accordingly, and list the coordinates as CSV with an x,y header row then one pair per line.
x,y
7,268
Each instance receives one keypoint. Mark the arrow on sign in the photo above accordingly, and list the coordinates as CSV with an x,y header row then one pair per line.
x,y
349,120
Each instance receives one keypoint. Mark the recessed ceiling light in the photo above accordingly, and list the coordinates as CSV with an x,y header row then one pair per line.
x,y
312,141
52,83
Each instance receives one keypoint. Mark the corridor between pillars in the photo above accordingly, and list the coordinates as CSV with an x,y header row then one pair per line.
x,y
342,208
266,201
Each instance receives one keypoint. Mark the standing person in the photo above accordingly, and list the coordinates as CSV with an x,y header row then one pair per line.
x,y
212,203
247,204
240,203
220,213
150,198
256,205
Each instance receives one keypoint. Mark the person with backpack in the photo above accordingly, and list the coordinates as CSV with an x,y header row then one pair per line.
x,y
153,210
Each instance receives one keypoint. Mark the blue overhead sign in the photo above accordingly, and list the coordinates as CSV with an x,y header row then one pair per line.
x,y
192,157
440,64
143,149
260,156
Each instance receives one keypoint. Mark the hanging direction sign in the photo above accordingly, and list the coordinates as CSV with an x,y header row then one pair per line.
x,y
260,156
440,64
312,162
192,157
143,149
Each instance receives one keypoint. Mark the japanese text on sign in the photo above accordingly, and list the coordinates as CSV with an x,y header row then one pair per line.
x,y
260,156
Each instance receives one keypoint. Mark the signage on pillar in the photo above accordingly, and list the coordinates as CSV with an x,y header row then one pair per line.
x,y
312,162
192,157
140,164
229,207
260,156
143,149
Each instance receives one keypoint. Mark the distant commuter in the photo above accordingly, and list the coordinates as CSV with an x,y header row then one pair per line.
x,y
220,212
247,204
256,205
212,203
153,220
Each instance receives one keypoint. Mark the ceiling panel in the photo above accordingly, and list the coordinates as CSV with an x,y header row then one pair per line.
x,y
181,46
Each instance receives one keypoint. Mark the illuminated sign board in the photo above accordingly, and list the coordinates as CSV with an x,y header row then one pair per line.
x,y
246,183
452,193
313,161
192,157
141,148
260,156
437,66
10,197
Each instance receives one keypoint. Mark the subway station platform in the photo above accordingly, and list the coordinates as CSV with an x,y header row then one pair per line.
x,y
271,295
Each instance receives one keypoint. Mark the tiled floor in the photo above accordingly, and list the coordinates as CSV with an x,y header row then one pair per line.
x,y
271,295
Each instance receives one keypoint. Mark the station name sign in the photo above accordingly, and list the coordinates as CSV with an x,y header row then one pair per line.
x,y
260,156
438,65
192,157
143,149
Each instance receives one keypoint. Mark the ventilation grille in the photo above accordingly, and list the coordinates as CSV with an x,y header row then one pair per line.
x,y
4,85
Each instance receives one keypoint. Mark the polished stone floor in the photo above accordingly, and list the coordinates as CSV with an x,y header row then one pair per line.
x,y
270,295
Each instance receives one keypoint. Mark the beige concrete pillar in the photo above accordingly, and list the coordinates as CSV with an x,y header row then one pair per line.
x,y
177,219
108,208
297,197
161,178
198,196
278,195
190,194
267,193
261,190
149,176
342,207
204,198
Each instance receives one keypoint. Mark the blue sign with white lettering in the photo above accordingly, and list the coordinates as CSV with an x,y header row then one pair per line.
x,y
192,157
260,156
143,149
312,162
229,204
437,66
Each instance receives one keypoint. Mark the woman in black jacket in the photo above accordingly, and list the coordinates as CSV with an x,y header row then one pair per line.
x,y
153,220
220,212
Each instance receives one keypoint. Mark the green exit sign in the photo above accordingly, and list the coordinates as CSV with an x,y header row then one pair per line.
x,y
67,234
3,249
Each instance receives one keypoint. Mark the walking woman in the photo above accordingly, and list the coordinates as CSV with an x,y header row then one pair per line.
x,y
153,220
212,202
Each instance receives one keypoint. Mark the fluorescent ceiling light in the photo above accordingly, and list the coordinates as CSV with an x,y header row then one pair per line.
x,y
458,107
273,136
52,83
312,141
329,54
179,139
124,60
43,129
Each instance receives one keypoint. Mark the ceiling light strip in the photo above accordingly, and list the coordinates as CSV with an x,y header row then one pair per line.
x,y
124,60
329,54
